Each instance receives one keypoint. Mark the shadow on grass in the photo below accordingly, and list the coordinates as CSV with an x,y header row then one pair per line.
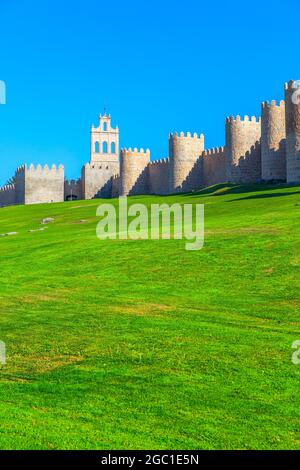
x,y
224,189
227,188
263,196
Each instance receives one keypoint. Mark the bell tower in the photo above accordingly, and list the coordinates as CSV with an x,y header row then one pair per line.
x,y
100,175
104,141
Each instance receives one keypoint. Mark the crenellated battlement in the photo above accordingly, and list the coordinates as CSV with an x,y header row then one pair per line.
x,y
44,169
184,136
246,119
162,161
7,195
7,188
135,152
292,85
73,182
215,151
39,169
20,169
273,104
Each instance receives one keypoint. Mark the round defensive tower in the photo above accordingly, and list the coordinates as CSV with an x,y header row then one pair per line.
x,y
134,171
242,138
273,134
292,118
184,152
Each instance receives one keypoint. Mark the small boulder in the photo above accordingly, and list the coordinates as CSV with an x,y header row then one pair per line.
x,y
48,220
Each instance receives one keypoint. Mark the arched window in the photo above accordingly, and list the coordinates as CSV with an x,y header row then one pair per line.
x,y
105,126
97,147
104,147
113,148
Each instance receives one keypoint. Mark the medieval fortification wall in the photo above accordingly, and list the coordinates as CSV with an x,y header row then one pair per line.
x,y
97,179
159,171
7,195
214,166
73,190
256,149
37,185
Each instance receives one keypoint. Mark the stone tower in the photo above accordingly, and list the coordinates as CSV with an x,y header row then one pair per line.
x,y
292,116
242,149
134,172
273,134
98,175
185,152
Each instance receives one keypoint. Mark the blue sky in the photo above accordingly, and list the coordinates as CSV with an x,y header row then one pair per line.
x,y
159,66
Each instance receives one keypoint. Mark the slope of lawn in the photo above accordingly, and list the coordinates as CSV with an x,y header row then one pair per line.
x,y
144,345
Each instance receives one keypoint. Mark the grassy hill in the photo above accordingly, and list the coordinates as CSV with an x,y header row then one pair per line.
x,y
141,344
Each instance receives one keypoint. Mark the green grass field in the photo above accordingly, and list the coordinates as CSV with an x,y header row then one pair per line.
x,y
144,345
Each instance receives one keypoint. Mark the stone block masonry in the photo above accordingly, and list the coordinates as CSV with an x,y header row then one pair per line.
x,y
242,154
97,179
134,172
73,190
273,142
159,176
292,119
37,185
184,153
214,166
